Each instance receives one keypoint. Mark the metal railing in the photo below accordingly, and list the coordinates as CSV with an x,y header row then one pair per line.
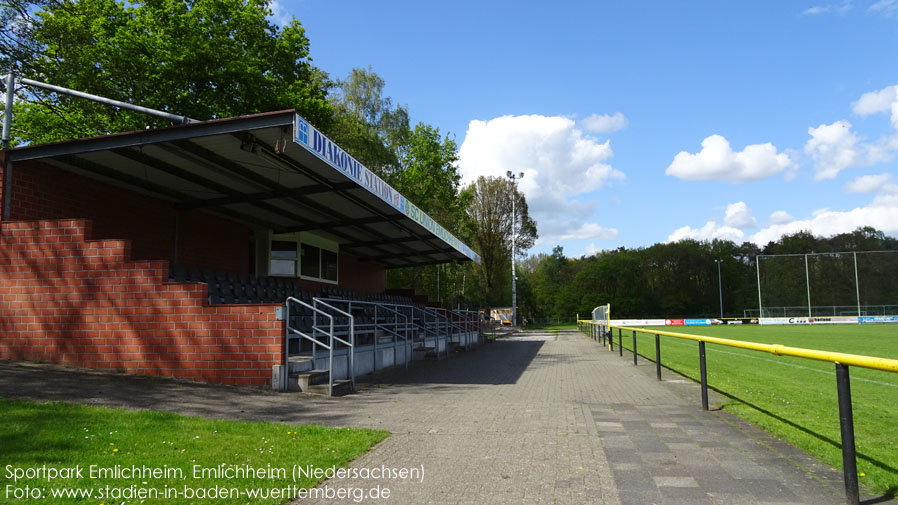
x,y
317,332
398,328
350,333
334,324
604,334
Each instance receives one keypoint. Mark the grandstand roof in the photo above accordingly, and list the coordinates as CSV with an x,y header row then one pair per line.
x,y
268,171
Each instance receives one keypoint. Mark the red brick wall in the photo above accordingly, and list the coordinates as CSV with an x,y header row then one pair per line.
x,y
67,299
44,192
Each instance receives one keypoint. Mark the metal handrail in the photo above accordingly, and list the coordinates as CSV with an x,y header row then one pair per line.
x,y
286,364
841,360
385,306
350,344
449,313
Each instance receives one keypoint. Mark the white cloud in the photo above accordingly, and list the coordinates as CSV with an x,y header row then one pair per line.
x,y
279,14
738,215
604,123
868,183
888,8
831,8
559,162
591,249
587,231
718,161
710,231
881,213
780,217
875,101
833,147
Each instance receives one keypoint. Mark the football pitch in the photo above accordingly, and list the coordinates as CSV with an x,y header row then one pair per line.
x,y
795,398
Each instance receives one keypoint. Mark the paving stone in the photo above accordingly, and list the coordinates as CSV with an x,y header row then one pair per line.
x,y
532,418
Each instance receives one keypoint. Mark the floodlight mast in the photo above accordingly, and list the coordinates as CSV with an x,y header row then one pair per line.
x,y
11,81
514,277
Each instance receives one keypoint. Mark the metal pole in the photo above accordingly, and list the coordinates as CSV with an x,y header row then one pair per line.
x,y
719,286
857,287
7,112
514,277
285,363
108,101
658,356
610,338
807,282
634,347
620,342
846,423
760,306
704,373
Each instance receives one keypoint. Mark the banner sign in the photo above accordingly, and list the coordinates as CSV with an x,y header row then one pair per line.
x,y
877,319
784,320
742,321
674,322
702,322
833,320
328,151
637,322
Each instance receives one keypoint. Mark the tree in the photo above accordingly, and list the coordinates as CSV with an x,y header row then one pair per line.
x,y
367,124
429,176
491,215
203,59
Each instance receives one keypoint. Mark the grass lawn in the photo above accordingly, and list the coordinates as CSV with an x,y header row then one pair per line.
x,y
794,398
61,435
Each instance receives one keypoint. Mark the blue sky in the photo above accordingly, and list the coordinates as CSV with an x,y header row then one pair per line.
x,y
643,122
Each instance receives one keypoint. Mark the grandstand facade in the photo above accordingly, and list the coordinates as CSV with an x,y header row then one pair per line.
x,y
224,251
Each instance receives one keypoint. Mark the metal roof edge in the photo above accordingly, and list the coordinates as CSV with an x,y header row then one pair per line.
x,y
139,137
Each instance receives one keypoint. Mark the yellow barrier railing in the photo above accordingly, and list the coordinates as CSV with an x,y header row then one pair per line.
x,y
872,362
603,333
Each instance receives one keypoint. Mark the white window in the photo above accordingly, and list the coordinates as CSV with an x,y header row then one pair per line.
x,y
304,255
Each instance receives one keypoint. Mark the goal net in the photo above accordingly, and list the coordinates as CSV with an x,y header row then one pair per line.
x,y
827,284
602,314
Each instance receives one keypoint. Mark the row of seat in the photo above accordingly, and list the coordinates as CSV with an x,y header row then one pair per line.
x,y
232,288
229,287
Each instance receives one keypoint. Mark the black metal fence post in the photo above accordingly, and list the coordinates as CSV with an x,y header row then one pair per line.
x,y
620,342
658,356
610,338
634,347
704,372
846,422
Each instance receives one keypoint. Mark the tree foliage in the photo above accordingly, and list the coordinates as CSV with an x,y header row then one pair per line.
x,y
367,124
679,279
203,59
492,219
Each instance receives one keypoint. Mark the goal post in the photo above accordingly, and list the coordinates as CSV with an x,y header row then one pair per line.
x,y
854,283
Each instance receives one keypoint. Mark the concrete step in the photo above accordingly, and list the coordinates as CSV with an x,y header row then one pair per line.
x,y
299,364
295,365
304,381
341,388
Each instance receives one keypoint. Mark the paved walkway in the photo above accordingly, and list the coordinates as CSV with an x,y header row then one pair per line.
x,y
536,418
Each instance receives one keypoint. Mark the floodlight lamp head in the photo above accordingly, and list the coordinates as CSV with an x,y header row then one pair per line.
x,y
521,175
508,174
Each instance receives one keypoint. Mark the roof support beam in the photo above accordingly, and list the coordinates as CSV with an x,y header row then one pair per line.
x,y
142,185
